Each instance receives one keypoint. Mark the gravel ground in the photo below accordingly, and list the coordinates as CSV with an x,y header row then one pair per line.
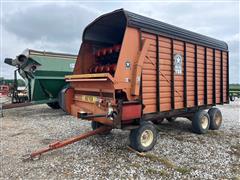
x,y
178,154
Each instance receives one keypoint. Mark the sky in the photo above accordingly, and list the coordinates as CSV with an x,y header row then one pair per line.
x,y
57,26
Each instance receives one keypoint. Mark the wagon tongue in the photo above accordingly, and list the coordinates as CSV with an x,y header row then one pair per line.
x,y
60,144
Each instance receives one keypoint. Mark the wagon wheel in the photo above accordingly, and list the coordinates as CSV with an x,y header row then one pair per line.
x,y
215,118
143,138
201,122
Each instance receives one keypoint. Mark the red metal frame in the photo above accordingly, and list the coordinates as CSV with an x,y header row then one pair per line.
x,y
59,144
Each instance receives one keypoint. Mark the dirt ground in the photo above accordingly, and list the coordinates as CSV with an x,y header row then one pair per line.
x,y
178,154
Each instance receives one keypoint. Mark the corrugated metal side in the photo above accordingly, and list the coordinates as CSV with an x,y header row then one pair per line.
x,y
165,73
225,77
190,74
209,76
200,73
204,89
149,76
218,76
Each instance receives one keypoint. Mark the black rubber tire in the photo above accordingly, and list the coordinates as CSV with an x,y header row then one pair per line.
x,y
135,137
171,119
232,98
54,105
96,125
215,113
196,122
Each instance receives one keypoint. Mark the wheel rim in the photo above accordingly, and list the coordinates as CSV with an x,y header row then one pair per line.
x,y
146,138
218,119
204,122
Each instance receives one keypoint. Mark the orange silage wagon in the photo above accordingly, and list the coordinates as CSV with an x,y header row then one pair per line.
x,y
133,71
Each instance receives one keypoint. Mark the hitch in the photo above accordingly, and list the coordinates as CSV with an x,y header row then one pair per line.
x,y
59,144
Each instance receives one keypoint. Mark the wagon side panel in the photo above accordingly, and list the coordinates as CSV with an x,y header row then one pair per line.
x,y
149,75
200,74
225,66
217,76
165,62
178,48
202,81
209,76
190,66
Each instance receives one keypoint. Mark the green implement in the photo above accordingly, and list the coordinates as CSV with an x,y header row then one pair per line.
x,y
234,91
43,73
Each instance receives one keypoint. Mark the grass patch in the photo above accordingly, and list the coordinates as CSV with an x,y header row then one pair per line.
x,y
180,138
214,133
183,170
136,165
166,162
154,171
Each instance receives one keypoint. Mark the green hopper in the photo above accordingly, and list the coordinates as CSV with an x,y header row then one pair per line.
x,y
43,73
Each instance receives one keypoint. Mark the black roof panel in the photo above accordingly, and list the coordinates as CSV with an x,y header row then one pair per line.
x,y
161,28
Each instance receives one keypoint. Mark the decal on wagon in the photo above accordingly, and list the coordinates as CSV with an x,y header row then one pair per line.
x,y
177,64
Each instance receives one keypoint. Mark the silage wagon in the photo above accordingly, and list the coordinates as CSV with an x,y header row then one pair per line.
x,y
133,71
43,73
